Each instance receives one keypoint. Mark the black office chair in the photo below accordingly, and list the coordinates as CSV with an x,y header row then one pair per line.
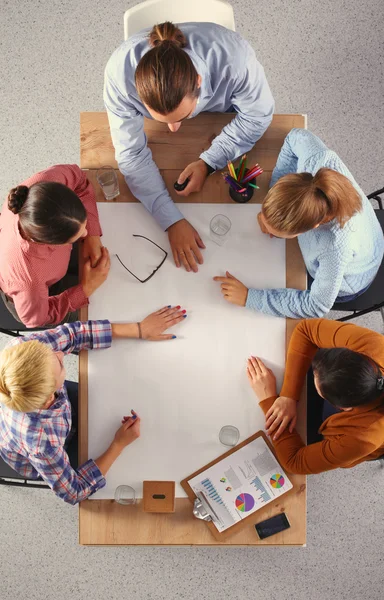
x,y
10,477
373,298
9,325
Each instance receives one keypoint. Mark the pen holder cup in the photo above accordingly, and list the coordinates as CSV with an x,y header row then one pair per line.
x,y
244,196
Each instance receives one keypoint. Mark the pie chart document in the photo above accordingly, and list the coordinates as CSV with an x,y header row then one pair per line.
x,y
240,484
184,389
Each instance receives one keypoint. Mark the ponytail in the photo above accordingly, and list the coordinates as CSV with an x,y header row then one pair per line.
x,y
167,32
300,201
166,74
17,197
49,212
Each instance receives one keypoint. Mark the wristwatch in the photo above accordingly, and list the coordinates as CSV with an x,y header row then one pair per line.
x,y
209,168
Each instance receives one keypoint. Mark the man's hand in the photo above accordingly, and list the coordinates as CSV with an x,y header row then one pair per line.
x,y
283,413
92,249
185,243
197,173
262,379
94,277
232,289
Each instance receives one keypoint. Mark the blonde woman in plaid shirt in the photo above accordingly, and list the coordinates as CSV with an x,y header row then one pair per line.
x,y
36,406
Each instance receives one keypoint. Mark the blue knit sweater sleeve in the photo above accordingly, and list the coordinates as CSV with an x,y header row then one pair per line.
x,y
297,304
303,151
300,148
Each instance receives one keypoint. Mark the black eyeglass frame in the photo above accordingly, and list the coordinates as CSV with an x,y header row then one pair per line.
x,y
157,268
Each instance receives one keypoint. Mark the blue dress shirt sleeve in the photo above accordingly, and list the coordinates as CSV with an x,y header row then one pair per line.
x,y
253,101
134,157
316,302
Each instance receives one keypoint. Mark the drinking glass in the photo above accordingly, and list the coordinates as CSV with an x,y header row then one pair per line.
x,y
229,435
125,494
107,179
219,229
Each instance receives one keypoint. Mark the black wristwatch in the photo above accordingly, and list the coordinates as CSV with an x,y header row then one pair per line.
x,y
209,168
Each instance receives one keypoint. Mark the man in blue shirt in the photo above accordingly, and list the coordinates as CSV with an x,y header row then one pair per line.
x,y
170,75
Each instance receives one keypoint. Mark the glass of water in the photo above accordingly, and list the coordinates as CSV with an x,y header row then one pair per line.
x,y
229,435
219,228
125,494
107,179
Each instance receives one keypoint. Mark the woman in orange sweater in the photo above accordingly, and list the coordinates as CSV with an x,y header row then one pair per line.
x,y
348,368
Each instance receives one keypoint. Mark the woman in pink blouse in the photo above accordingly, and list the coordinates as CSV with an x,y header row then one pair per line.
x,y
44,216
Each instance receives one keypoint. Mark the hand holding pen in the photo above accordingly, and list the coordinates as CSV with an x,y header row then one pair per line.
x,y
129,430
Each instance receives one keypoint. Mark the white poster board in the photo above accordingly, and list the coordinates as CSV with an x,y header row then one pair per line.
x,y
185,389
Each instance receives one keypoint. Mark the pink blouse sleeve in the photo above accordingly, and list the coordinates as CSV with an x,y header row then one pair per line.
x,y
35,308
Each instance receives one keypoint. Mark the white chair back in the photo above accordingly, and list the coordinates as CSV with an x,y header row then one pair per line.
x,y
148,13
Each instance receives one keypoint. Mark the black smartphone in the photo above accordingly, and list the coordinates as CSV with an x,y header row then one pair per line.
x,y
179,187
271,526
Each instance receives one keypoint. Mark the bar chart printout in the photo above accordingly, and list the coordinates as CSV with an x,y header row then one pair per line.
x,y
264,496
240,484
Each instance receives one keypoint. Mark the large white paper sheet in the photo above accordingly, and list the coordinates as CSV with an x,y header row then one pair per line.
x,y
185,389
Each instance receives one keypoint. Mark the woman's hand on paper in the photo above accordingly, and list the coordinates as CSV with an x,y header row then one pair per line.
x,y
282,414
153,326
262,379
197,173
185,244
232,289
92,249
129,431
94,277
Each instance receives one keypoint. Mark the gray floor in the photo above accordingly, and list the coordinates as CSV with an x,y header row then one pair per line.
x,y
321,58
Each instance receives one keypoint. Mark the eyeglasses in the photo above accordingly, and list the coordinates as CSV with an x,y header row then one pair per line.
x,y
157,268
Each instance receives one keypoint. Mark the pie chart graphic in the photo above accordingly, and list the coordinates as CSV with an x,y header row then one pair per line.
x,y
277,480
244,502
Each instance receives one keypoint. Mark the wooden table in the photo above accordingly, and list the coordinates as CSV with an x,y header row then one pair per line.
x,y
104,521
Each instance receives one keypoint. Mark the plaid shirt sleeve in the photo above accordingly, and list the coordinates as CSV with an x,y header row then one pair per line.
x,y
70,485
88,335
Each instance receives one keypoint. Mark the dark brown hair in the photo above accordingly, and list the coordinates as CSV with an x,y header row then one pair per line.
x,y
300,201
347,378
49,213
166,74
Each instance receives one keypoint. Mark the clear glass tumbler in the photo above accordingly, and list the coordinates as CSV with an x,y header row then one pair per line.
x,y
229,435
219,228
107,179
125,494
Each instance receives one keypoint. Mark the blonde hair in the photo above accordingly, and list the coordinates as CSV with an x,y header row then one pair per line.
x,y
27,377
300,201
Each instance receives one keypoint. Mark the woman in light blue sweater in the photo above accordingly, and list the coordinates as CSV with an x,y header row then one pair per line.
x,y
339,235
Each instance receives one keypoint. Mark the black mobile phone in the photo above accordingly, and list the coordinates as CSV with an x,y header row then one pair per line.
x,y
179,187
271,526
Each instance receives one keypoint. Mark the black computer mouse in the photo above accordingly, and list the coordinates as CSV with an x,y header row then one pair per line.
x,y
179,187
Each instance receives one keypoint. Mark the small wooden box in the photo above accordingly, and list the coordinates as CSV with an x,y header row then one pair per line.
x,y
159,496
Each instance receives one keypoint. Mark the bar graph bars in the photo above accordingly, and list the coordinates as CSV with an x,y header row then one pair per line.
x,y
264,496
211,491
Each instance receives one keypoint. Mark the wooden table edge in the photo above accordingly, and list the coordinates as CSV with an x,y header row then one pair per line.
x,y
293,256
